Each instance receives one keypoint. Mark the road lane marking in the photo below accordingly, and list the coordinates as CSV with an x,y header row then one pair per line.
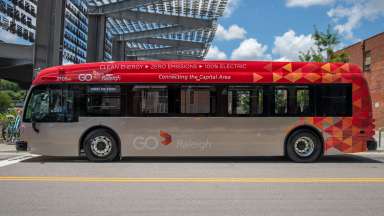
x,y
17,159
187,180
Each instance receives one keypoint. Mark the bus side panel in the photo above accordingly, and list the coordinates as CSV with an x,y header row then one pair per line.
x,y
363,128
194,136
53,139
348,134
340,134
198,136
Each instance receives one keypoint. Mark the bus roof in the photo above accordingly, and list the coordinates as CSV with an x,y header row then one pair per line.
x,y
200,72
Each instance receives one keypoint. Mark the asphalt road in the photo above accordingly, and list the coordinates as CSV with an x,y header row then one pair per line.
x,y
337,185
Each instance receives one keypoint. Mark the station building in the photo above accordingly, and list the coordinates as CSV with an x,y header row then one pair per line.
x,y
18,25
369,54
75,32
18,21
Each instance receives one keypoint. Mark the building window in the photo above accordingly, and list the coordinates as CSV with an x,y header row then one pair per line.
x,y
367,60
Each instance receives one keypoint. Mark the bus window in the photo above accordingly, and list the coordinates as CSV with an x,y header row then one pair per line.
x,y
335,100
174,100
150,100
38,105
54,104
281,101
303,105
239,101
62,104
197,100
103,100
257,103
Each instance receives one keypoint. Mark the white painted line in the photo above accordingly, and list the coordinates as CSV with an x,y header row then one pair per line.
x,y
17,159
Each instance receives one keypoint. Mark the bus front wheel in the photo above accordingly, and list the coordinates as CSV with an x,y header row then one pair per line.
x,y
304,146
100,146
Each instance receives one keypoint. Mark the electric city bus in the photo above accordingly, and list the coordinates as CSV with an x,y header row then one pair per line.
x,y
111,110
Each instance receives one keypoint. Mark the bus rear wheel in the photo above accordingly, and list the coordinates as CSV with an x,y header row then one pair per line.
x,y
304,146
100,146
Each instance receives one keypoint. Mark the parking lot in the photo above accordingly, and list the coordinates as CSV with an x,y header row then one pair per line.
x,y
342,185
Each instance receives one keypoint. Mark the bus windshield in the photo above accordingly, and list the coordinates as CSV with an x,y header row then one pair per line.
x,y
54,104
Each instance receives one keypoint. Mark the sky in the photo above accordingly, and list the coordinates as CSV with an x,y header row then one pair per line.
x,y
281,29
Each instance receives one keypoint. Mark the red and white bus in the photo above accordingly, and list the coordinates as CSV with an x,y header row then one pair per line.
x,y
110,110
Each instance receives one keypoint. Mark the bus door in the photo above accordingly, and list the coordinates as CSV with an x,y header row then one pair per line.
x,y
49,116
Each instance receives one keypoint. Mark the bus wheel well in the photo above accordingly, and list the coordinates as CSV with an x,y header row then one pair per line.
x,y
307,128
112,132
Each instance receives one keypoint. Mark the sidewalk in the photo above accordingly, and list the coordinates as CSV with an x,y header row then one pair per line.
x,y
7,148
374,155
377,152
8,151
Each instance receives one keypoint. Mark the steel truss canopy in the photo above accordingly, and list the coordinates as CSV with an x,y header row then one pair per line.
x,y
161,29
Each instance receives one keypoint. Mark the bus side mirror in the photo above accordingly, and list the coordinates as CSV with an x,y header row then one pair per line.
x,y
34,125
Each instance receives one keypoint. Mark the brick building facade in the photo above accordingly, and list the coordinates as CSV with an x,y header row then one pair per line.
x,y
369,54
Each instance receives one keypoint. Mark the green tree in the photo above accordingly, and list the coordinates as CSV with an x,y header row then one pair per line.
x,y
13,91
323,51
8,85
5,102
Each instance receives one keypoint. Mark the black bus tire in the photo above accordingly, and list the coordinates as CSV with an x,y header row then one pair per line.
x,y
304,146
100,146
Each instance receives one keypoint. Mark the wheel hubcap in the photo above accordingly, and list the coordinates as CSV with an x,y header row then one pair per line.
x,y
304,146
101,146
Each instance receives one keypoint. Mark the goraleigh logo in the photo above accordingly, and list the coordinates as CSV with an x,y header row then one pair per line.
x,y
167,138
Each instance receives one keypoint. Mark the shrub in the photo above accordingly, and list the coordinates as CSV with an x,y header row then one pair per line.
x,y
5,102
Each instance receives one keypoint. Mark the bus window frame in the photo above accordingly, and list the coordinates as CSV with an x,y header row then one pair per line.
x,y
318,103
268,99
246,87
48,87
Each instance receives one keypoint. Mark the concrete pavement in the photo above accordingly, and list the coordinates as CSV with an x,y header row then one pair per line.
x,y
8,151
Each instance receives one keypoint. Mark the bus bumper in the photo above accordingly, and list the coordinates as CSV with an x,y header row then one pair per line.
x,y
371,145
21,145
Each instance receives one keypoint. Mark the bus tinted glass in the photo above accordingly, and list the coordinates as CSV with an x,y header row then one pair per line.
x,y
281,101
103,100
50,104
303,105
150,100
197,99
245,100
57,103
334,100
